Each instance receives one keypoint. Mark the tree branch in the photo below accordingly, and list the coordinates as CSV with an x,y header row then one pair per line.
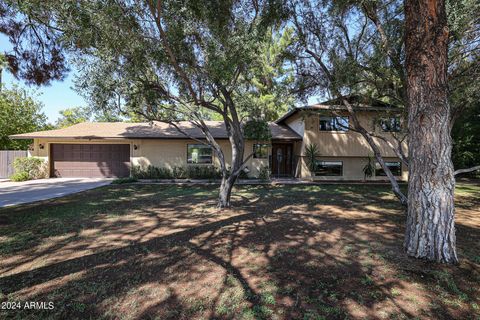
x,y
460,171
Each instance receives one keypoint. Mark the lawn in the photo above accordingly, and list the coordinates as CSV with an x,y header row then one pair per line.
x,y
283,252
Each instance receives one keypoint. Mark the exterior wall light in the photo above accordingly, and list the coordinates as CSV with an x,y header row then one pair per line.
x,y
41,146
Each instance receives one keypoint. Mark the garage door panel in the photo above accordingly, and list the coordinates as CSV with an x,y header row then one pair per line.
x,y
91,160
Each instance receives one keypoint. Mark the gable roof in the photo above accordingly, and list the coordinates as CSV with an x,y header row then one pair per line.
x,y
359,103
145,130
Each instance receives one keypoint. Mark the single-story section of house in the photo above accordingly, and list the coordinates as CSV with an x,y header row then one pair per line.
x,y
110,149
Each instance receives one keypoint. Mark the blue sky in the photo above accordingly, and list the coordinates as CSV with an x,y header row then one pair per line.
x,y
55,97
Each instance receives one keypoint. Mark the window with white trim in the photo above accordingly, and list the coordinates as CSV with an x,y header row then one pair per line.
x,y
199,154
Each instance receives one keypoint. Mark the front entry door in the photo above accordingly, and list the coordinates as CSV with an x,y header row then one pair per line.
x,y
282,160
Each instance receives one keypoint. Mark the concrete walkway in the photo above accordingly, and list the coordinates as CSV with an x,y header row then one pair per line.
x,y
13,193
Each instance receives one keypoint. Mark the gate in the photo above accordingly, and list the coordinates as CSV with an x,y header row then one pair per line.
x,y
6,161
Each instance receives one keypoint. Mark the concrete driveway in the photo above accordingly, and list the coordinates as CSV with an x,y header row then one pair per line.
x,y
12,193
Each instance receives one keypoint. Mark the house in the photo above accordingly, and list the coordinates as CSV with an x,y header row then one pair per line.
x,y
111,149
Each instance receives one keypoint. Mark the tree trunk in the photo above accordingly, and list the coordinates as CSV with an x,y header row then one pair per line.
x,y
229,178
430,229
225,192
234,130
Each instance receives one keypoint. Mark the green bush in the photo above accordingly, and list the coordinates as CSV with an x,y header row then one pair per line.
x,y
202,172
20,176
264,173
189,172
243,175
29,168
124,180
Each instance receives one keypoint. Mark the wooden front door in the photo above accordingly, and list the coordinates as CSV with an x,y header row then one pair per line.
x,y
282,159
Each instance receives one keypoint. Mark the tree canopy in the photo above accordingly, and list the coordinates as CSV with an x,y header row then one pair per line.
x,y
20,112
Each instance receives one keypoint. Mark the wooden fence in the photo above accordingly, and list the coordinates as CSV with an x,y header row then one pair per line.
x,y
6,161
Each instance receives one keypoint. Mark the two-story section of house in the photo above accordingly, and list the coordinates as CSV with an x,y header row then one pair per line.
x,y
343,153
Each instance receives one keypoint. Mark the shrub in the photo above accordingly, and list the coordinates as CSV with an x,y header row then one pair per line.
x,y
189,172
264,173
202,172
124,180
243,175
29,168
20,176
311,153
369,168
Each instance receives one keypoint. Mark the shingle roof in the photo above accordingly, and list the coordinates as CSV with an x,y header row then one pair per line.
x,y
157,130
359,104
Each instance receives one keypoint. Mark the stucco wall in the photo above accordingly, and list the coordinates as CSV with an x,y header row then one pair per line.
x,y
160,153
349,143
170,153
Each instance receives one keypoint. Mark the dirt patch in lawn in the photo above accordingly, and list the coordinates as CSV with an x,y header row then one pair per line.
x,y
283,252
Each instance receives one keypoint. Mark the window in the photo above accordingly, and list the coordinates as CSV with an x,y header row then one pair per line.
x,y
260,151
199,153
333,124
329,168
390,124
394,166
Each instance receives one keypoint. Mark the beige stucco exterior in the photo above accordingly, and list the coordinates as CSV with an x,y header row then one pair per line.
x,y
167,153
350,147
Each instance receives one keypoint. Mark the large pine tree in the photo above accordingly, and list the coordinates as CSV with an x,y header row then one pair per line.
x,y
430,231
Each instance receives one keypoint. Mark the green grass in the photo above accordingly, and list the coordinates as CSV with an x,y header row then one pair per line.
x,y
298,251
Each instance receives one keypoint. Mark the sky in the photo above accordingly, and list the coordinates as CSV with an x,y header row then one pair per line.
x,y
55,97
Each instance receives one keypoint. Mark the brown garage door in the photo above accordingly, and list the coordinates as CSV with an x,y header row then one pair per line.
x,y
90,160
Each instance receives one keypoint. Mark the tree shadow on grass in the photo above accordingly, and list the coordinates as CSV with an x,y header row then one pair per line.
x,y
287,253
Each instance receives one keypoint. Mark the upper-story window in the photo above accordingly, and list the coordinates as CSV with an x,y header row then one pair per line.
x,y
333,124
198,154
390,124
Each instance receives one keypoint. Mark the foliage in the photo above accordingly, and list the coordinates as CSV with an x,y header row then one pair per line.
x,y
29,168
37,55
71,116
20,112
466,139
265,91
188,172
124,180
20,176
257,130
311,155
369,168
243,175
264,173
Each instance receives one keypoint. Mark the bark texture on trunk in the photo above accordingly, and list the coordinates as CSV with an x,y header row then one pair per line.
x,y
225,192
430,229
237,143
